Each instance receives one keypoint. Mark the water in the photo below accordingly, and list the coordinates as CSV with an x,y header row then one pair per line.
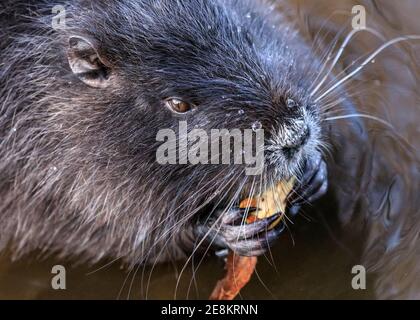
x,y
314,268
291,103
256,126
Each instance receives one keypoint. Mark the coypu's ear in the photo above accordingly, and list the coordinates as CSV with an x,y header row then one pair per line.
x,y
86,63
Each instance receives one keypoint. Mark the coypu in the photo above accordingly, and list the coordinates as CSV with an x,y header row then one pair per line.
x,y
82,105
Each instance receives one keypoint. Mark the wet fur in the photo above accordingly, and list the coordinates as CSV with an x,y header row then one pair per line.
x,y
78,170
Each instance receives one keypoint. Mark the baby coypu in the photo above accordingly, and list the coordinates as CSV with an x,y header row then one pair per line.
x,y
81,107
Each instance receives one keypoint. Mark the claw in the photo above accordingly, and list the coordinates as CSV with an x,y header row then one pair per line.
x,y
314,185
311,191
270,237
245,239
245,231
258,246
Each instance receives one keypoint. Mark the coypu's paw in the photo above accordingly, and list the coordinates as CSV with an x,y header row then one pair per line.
x,y
229,230
314,184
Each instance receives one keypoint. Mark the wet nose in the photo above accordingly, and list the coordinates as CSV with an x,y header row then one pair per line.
x,y
297,139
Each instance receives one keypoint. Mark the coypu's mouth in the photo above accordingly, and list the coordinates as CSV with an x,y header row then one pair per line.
x,y
265,200
310,180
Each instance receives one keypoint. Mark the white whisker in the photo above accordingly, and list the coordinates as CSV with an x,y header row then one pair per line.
x,y
368,60
340,53
360,115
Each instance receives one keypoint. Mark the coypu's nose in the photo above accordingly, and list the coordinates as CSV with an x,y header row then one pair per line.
x,y
297,138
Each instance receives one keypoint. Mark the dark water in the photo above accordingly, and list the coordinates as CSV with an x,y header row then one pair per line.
x,y
312,261
315,267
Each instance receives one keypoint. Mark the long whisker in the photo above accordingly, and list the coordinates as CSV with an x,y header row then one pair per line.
x,y
360,115
132,281
368,60
123,285
198,245
326,57
167,235
103,267
228,207
340,53
243,222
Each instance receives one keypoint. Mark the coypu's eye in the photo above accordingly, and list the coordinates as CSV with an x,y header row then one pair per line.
x,y
178,106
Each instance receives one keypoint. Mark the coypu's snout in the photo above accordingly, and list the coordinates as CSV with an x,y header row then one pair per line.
x,y
296,138
292,142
